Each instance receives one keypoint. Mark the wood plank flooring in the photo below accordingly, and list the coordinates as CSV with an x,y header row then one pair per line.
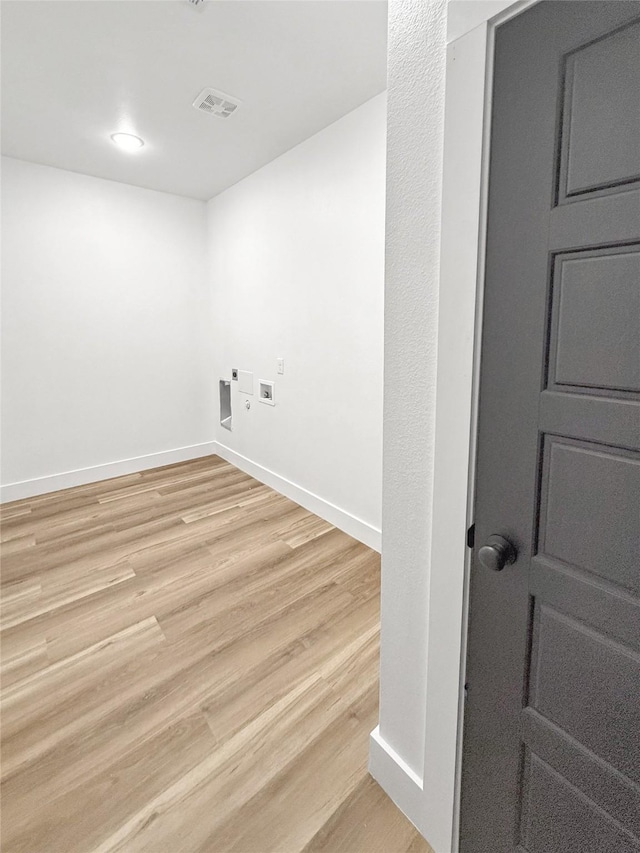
x,y
189,663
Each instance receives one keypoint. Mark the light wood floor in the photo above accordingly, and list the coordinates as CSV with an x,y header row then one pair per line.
x,y
189,663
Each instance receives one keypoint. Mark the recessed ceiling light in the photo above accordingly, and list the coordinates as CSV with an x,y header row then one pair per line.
x,y
127,141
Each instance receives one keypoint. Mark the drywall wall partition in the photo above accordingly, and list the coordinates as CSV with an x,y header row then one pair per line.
x,y
416,70
104,351
296,267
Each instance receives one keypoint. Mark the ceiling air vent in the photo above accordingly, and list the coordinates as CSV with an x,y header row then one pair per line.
x,y
216,103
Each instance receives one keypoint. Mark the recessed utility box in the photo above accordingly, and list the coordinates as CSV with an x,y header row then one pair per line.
x,y
225,404
245,382
267,392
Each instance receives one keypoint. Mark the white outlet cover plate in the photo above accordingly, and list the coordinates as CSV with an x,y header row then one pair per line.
x,y
280,363
245,382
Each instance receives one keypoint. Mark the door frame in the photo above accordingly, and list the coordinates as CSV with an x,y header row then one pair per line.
x,y
469,83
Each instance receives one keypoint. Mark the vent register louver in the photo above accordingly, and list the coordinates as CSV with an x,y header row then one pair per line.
x,y
216,103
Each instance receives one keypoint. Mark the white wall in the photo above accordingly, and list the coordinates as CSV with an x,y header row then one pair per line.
x,y
104,355
297,271
417,36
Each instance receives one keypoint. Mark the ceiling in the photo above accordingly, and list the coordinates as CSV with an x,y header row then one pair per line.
x,y
76,71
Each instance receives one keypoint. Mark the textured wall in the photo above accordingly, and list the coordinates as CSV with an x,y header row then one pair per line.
x,y
417,36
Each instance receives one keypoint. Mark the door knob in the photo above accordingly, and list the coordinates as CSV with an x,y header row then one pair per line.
x,y
497,553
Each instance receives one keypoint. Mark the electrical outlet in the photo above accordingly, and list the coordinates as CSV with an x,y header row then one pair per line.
x,y
280,363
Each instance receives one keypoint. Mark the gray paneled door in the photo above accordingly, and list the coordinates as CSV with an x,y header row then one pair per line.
x,y
551,749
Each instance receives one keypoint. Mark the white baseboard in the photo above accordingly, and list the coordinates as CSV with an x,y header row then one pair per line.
x,y
397,779
355,527
360,530
68,479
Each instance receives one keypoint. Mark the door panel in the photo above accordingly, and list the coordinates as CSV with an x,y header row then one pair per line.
x,y
580,681
595,305
557,816
551,752
600,101
589,510
615,794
